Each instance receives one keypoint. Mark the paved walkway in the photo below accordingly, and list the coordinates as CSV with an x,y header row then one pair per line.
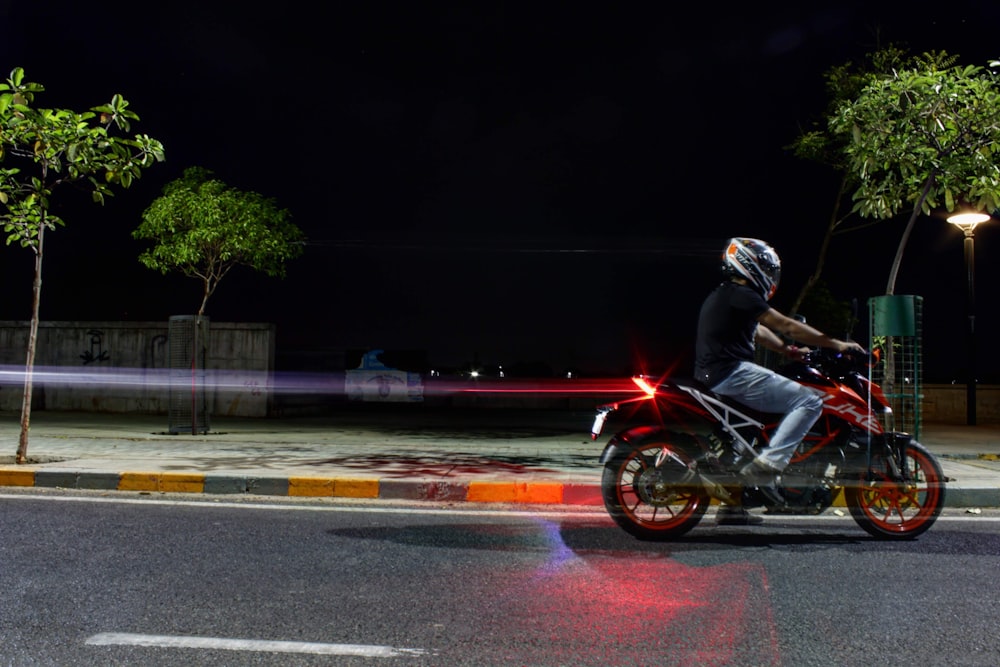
x,y
490,455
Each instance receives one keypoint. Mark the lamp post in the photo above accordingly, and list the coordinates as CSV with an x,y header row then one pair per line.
x,y
967,223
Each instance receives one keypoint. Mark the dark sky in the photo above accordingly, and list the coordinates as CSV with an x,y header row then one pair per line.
x,y
504,181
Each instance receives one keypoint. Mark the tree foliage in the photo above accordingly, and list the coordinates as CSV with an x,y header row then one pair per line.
x,y
47,148
820,143
203,228
42,149
922,137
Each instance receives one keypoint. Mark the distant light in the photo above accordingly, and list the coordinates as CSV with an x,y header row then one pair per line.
x,y
569,375
474,374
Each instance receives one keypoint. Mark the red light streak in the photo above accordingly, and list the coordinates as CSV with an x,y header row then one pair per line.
x,y
278,382
645,386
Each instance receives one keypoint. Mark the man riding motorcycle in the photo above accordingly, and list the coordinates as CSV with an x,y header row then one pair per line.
x,y
734,316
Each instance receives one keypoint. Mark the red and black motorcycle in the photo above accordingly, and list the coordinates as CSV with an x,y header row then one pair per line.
x,y
659,478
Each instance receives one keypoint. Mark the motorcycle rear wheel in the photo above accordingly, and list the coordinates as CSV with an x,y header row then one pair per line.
x,y
889,508
650,503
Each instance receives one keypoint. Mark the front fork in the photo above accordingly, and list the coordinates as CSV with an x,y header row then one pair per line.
x,y
897,444
894,445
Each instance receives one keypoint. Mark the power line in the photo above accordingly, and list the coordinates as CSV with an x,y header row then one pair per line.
x,y
668,247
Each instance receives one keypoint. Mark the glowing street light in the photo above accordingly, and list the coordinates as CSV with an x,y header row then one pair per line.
x,y
967,223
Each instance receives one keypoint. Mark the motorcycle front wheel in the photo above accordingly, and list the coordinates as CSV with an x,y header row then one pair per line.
x,y
891,506
650,502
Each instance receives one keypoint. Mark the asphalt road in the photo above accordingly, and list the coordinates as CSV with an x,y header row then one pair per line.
x,y
130,579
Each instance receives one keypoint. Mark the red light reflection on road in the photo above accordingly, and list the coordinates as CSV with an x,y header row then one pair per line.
x,y
604,603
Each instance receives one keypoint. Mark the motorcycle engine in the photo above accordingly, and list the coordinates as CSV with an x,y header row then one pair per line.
x,y
808,488
806,499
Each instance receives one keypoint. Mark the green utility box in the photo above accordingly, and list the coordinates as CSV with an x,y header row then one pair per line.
x,y
896,331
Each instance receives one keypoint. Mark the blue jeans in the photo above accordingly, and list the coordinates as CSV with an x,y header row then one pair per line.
x,y
766,391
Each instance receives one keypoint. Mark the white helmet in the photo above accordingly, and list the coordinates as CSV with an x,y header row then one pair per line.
x,y
755,261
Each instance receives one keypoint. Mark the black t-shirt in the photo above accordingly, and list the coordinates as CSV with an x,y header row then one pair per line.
x,y
726,327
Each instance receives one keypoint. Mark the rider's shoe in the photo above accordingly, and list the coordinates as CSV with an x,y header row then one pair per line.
x,y
734,515
765,479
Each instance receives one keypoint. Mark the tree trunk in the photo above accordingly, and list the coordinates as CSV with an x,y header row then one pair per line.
x,y
889,381
195,342
814,278
890,287
29,366
194,357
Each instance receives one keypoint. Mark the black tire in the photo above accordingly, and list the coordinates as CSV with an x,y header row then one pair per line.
x,y
891,509
652,503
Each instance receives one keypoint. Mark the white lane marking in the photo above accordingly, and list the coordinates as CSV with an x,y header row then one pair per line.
x,y
258,645
597,512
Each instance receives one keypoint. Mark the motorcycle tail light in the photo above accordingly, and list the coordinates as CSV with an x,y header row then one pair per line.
x,y
644,386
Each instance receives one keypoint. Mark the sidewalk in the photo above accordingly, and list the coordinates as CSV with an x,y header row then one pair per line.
x,y
490,455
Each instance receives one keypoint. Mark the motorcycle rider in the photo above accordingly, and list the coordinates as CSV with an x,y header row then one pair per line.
x,y
734,316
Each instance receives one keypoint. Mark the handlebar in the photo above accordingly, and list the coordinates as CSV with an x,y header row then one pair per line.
x,y
834,361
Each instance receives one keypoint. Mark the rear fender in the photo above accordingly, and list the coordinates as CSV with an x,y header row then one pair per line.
x,y
633,437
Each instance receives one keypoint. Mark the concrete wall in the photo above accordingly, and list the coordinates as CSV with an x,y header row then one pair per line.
x,y
945,404
123,367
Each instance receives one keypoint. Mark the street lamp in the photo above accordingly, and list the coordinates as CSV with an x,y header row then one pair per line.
x,y
967,223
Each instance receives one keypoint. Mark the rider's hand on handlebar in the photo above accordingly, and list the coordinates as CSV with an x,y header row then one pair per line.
x,y
796,353
849,346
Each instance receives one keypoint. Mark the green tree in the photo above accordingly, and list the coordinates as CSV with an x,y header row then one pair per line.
x,y
42,149
924,137
820,143
203,228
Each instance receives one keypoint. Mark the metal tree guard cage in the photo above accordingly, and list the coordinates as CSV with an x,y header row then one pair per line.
x,y
896,330
187,410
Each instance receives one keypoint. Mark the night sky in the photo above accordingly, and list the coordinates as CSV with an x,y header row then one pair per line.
x,y
501,182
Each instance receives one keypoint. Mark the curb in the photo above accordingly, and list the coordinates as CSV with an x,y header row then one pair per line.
x,y
529,493
539,492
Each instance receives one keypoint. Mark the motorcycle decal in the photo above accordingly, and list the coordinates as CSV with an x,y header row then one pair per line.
x,y
846,404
